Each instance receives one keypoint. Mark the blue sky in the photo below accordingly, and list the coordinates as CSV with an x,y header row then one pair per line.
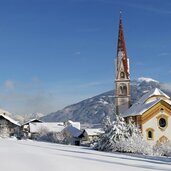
x,y
57,52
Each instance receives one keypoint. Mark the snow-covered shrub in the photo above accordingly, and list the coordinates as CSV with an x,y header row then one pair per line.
x,y
4,132
162,149
134,144
55,137
59,138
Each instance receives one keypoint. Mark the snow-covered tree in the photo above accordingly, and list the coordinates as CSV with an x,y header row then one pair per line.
x,y
106,123
114,132
122,137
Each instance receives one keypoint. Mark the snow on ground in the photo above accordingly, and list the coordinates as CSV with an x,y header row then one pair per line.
x,y
38,156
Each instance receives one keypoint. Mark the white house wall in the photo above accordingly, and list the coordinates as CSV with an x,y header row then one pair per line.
x,y
158,133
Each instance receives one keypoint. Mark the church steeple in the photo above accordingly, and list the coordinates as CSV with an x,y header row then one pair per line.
x,y
122,73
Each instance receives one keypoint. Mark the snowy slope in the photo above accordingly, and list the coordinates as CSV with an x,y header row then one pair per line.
x,y
94,109
90,111
39,156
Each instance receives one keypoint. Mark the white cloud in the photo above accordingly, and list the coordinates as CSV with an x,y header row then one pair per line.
x,y
95,84
163,54
37,96
28,97
28,102
77,53
139,63
9,84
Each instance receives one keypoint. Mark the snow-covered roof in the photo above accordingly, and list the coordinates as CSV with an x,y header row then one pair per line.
x,y
144,103
73,131
36,127
74,124
32,120
153,92
139,108
10,119
94,131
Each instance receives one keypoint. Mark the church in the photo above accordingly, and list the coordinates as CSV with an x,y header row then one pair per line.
x,y
152,112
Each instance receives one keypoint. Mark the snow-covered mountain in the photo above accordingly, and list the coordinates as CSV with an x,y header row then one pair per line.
x,y
94,109
34,115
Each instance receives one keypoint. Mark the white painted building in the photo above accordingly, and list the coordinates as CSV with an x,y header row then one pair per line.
x,y
152,113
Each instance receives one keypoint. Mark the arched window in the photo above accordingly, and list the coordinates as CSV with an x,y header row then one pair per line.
x,y
122,75
150,134
124,90
121,90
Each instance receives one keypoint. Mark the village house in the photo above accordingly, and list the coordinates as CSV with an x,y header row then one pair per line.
x,y
70,130
8,126
25,127
90,134
37,129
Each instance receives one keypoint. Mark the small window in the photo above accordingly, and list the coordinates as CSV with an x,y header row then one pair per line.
x,y
122,75
150,135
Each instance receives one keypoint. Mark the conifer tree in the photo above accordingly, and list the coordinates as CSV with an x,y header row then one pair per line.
x,y
121,136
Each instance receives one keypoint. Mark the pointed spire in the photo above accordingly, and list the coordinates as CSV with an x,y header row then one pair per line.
x,y
121,40
121,46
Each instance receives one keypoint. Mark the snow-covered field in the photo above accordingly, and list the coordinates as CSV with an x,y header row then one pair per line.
x,y
38,156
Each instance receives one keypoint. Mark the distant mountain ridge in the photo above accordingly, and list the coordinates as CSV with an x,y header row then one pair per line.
x,y
93,110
